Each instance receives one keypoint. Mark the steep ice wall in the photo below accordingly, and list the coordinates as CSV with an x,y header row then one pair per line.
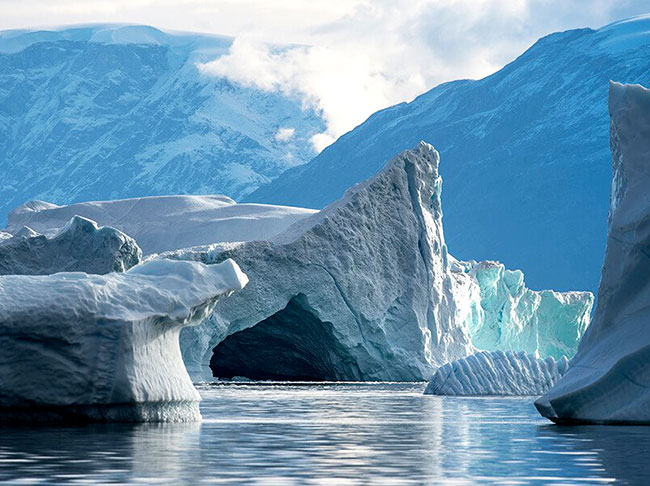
x,y
164,223
365,289
78,347
80,246
497,373
502,313
369,274
609,378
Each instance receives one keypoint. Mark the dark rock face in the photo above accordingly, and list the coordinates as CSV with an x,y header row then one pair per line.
x,y
292,344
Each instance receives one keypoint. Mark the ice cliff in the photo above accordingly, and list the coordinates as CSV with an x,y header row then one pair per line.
x,y
497,373
609,378
80,246
163,223
502,313
365,290
79,347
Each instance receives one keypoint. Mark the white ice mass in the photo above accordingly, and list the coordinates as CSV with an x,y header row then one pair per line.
x,y
365,290
80,246
497,373
79,347
504,314
161,223
609,378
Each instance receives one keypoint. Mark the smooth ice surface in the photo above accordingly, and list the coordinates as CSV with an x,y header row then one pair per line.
x,y
167,222
497,373
80,246
525,154
119,111
344,434
79,347
502,313
365,290
609,379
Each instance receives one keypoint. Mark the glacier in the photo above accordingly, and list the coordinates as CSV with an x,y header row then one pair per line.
x,y
79,347
112,111
162,223
609,378
79,246
497,373
366,290
526,142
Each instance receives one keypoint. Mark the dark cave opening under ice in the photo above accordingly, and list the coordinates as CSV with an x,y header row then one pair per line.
x,y
291,345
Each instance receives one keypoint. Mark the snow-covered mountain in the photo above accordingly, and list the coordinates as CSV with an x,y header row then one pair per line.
x,y
525,154
113,111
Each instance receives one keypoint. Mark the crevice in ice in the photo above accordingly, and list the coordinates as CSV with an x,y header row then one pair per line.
x,y
292,344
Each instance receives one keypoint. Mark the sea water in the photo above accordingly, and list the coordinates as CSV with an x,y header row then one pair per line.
x,y
332,434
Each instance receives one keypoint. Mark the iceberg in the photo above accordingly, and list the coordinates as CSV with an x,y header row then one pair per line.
x,y
162,223
80,246
497,373
609,378
502,313
79,347
366,290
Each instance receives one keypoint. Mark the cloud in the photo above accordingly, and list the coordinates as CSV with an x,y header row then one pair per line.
x,y
382,52
285,134
346,58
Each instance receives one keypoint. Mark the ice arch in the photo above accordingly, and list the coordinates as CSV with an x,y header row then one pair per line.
x,y
292,344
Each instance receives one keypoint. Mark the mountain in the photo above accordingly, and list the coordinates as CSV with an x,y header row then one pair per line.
x,y
525,154
116,111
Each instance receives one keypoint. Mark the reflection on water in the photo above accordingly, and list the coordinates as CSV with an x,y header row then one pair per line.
x,y
332,434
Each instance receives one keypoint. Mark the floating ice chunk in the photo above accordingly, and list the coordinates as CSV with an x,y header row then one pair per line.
x,y
80,246
79,347
497,373
609,378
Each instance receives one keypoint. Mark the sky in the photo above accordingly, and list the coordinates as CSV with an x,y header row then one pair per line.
x,y
348,58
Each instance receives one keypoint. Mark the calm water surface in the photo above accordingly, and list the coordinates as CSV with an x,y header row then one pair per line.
x,y
332,434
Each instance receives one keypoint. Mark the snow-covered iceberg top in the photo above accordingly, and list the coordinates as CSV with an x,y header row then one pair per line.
x,y
162,223
497,373
80,246
105,347
609,378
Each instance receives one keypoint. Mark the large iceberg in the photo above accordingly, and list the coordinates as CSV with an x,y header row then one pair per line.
x,y
80,246
497,373
609,378
365,290
164,223
79,347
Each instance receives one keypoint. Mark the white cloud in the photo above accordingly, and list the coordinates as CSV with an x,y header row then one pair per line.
x,y
350,57
285,134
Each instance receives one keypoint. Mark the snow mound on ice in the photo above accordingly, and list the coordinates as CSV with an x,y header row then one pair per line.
x,y
497,373
609,378
80,246
161,223
80,347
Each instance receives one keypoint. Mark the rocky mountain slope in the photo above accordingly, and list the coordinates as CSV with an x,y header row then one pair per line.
x,y
110,111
